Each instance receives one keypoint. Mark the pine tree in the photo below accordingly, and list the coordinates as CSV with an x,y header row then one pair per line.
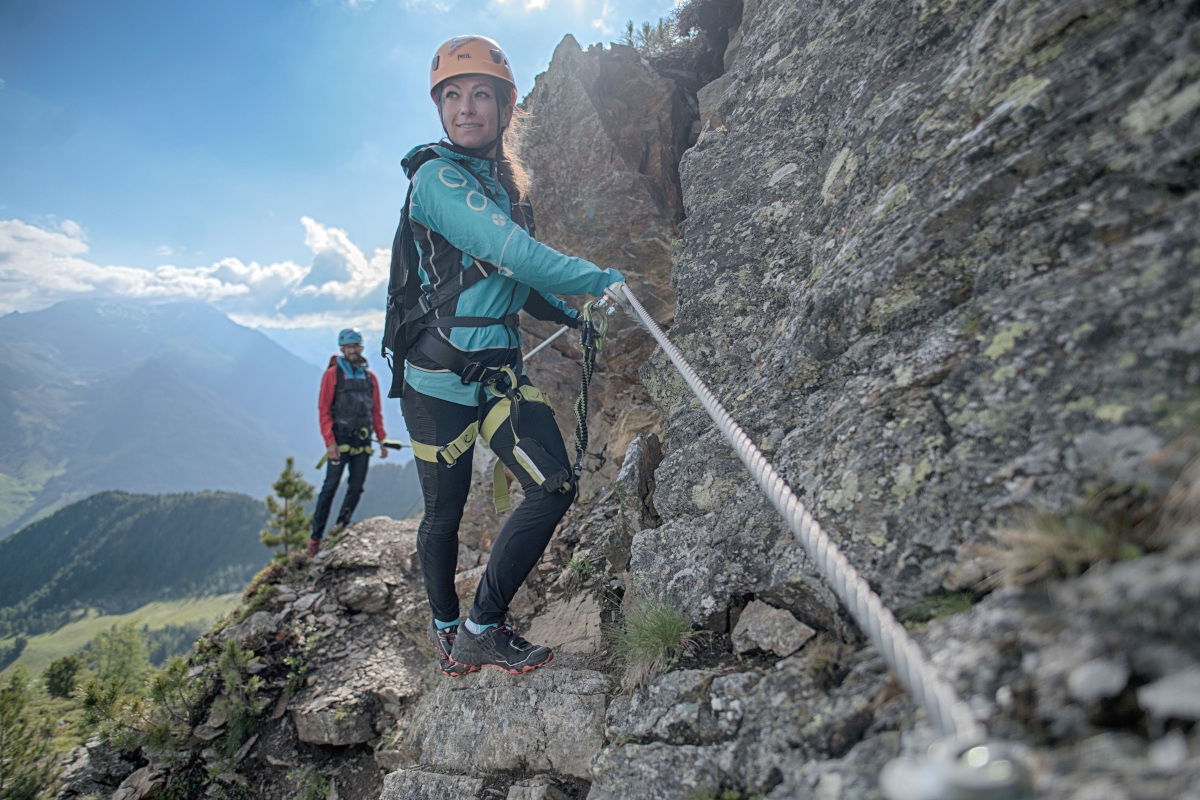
x,y
120,655
290,523
59,677
25,763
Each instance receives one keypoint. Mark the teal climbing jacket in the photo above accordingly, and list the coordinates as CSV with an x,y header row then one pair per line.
x,y
461,214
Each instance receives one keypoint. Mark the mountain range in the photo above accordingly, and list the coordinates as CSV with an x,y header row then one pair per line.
x,y
102,395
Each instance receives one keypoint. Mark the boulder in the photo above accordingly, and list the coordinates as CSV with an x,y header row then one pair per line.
x,y
550,720
328,721
364,594
764,627
412,784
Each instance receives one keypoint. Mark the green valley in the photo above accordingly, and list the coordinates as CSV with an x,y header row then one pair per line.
x,y
44,648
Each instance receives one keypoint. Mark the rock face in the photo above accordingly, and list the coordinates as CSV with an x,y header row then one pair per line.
x,y
940,261
939,268
606,134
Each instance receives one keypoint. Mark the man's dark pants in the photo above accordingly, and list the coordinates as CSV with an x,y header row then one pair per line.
x,y
333,475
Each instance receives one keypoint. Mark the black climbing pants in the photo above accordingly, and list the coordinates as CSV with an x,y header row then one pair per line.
x,y
523,537
333,475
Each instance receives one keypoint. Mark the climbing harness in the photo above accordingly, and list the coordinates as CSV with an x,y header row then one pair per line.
x,y
593,330
965,766
532,457
390,444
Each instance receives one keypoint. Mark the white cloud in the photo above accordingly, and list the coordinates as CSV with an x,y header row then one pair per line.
x,y
419,6
340,270
602,22
42,265
327,320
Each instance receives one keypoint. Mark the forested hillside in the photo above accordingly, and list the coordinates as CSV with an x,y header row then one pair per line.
x,y
116,551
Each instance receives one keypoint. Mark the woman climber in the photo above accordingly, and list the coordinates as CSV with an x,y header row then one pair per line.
x,y
469,217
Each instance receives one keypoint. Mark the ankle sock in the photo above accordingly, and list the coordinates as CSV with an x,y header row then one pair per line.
x,y
475,628
441,626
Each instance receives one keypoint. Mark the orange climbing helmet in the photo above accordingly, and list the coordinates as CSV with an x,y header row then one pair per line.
x,y
471,55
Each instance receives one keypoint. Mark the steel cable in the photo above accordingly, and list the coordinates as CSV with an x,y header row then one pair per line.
x,y
928,689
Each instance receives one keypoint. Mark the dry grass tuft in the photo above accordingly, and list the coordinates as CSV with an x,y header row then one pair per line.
x,y
1180,508
653,635
1115,524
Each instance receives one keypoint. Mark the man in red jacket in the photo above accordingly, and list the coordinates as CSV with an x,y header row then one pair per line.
x,y
349,406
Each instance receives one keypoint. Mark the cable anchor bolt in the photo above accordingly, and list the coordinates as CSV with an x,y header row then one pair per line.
x,y
952,770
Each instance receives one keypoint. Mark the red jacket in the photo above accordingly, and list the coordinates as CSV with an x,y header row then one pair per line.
x,y
325,403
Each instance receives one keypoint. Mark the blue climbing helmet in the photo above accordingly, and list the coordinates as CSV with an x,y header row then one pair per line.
x,y
349,336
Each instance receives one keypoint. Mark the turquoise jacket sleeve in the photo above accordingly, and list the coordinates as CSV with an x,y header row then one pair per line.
x,y
446,200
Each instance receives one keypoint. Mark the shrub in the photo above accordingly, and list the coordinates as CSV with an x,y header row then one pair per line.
x,y
311,784
120,655
241,701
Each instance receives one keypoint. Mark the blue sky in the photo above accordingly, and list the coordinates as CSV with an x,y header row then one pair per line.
x,y
246,153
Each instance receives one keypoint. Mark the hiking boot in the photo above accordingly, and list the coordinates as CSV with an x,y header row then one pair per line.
x,y
498,647
442,640
314,547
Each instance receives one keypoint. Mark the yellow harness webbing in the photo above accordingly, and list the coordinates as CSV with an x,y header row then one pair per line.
x,y
497,416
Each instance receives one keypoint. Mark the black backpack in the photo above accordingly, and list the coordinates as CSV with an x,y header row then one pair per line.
x,y
410,303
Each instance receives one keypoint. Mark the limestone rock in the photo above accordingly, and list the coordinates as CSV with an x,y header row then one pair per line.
x,y
572,626
413,618
608,132
539,788
254,628
1173,697
364,594
743,729
93,769
411,784
657,770
1098,679
635,494
550,720
764,627
874,308
141,784
327,722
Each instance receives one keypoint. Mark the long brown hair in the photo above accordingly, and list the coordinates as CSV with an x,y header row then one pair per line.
x,y
513,175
